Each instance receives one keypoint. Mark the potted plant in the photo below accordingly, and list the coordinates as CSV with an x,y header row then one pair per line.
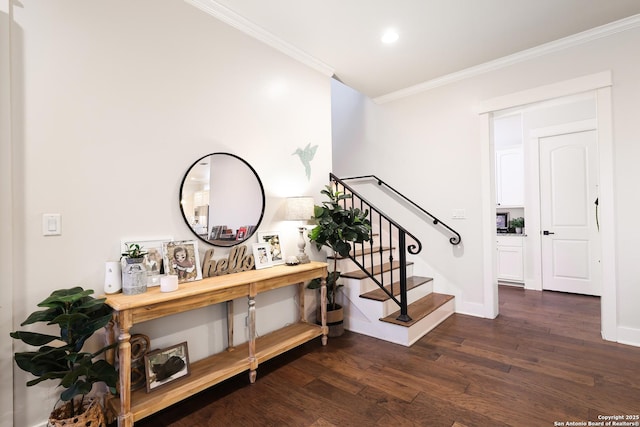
x,y
134,274
337,228
78,316
517,224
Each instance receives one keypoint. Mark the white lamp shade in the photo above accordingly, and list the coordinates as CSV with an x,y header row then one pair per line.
x,y
299,208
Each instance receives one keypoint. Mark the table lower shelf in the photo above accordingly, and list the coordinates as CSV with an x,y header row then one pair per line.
x,y
216,368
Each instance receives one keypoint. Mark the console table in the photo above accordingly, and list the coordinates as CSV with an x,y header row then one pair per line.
x,y
133,309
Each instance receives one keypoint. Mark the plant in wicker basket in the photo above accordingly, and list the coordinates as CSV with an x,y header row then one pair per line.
x,y
337,227
78,316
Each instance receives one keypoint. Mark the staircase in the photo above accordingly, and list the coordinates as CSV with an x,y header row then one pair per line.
x,y
369,310
381,296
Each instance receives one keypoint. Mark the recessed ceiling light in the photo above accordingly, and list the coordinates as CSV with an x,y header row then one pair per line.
x,y
390,36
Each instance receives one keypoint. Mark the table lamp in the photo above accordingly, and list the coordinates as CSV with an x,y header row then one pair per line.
x,y
300,209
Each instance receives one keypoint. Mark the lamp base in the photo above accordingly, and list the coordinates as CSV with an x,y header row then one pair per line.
x,y
303,258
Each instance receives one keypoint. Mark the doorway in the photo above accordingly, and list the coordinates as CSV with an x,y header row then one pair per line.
x,y
599,85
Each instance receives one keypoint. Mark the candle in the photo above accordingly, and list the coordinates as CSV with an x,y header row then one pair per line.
x,y
168,283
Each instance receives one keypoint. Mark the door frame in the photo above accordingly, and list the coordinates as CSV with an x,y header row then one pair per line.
x,y
6,213
600,84
532,203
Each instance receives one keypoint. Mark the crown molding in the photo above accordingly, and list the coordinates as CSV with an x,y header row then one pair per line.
x,y
233,19
525,55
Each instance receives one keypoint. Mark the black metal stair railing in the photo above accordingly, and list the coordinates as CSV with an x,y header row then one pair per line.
x,y
454,240
390,234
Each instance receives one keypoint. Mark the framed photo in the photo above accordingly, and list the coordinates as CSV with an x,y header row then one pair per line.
x,y
273,239
215,232
165,366
182,259
153,261
242,233
502,220
262,255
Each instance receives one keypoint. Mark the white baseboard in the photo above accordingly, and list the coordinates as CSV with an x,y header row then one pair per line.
x,y
629,336
472,309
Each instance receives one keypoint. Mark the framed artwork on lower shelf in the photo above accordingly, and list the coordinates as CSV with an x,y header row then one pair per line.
x,y
167,365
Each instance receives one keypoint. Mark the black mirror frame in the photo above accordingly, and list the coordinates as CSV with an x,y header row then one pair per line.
x,y
233,242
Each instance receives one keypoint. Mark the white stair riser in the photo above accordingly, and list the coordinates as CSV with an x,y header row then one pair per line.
x,y
374,309
367,284
413,295
401,334
346,264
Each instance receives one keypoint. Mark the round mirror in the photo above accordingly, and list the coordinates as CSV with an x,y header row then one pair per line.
x,y
222,199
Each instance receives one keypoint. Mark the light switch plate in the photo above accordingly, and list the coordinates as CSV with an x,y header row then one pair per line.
x,y
459,214
51,225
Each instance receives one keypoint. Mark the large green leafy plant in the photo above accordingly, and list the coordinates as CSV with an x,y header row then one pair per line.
x,y
337,228
78,316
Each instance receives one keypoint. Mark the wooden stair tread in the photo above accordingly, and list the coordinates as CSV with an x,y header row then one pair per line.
x,y
420,309
380,295
366,251
359,274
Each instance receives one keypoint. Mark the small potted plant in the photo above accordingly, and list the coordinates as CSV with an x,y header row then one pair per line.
x,y
134,274
337,228
517,224
78,316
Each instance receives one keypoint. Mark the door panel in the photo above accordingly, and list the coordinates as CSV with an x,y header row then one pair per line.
x,y
568,189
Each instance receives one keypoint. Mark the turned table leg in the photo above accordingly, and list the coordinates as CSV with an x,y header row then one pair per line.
x,y
323,310
230,326
125,417
253,362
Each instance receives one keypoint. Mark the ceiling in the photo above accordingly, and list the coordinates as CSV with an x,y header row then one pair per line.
x,y
437,38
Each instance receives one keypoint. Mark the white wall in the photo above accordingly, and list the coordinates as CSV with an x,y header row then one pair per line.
x,y
428,146
422,149
112,102
6,214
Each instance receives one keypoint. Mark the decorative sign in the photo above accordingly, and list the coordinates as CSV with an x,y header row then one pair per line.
x,y
239,260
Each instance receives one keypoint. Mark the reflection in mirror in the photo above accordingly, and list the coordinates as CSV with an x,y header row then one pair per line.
x,y
222,199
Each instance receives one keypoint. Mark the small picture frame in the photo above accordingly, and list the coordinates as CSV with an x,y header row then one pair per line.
x,y
262,255
242,233
502,220
153,260
181,258
274,241
164,366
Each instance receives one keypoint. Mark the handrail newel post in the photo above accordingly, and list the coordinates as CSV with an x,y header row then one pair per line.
x,y
404,311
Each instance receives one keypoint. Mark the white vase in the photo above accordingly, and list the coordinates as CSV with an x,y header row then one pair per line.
x,y
112,277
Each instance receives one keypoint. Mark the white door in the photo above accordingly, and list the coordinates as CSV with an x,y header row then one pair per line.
x,y
568,219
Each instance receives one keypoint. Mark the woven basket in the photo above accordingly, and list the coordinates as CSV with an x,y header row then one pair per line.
x,y
91,417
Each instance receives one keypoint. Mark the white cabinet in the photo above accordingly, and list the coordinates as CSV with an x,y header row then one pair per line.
x,y
510,177
510,258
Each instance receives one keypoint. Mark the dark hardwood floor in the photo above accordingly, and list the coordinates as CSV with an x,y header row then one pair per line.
x,y
541,362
